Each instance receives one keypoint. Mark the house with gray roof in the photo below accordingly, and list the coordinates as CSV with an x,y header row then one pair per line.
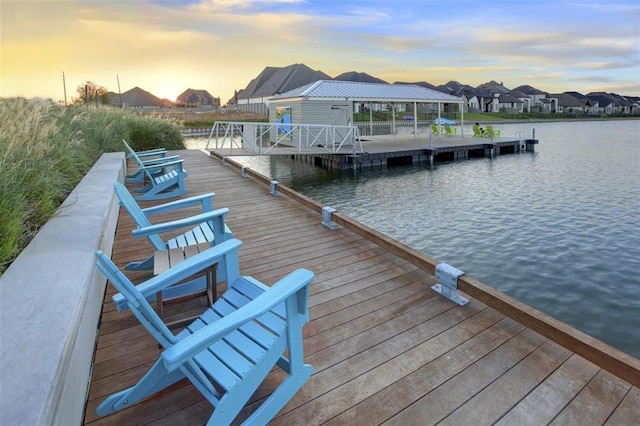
x,y
606,103
272,81
589,106
137,98
568,104
476,99
193,98
533,99
360,77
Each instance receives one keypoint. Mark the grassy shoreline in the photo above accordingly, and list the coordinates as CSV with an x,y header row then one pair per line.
x,y
45,150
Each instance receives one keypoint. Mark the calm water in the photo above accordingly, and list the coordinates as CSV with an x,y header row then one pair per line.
x,y
558,229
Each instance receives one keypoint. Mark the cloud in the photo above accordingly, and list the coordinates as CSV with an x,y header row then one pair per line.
x,y
220,45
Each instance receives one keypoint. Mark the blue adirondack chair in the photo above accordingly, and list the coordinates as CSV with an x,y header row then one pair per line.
x,y
166,180
209,225
153,156
228,351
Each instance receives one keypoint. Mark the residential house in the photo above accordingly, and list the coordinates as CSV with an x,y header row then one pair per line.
x,y
535,99
635,104
272,81
625,106
506,102
137,98
474,98
500,98
590,106
192,98
606,103
568,104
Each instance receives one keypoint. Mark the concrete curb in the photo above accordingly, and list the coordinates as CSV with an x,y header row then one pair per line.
x,y
50,302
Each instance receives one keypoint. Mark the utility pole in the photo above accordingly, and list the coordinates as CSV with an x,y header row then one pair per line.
x,y
119,92
64,86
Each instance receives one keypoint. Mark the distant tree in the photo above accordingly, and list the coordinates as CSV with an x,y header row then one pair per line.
x,y
89,92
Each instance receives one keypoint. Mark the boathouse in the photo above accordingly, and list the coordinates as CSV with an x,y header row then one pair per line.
x,y
331,102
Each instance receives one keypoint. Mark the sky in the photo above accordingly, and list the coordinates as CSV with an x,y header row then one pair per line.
x,y
168,46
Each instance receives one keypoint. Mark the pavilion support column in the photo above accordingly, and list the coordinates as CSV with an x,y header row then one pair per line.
x,y
393,118
462,119
415,120
371,118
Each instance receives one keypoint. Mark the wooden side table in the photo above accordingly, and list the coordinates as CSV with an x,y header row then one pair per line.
x,y
165,259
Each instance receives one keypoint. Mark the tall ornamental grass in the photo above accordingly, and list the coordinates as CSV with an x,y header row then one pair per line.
x,y
45,150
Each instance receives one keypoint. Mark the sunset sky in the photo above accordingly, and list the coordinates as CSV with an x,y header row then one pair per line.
x,y
167,46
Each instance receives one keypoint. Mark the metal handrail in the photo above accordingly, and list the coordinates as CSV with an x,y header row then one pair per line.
x,y
250,136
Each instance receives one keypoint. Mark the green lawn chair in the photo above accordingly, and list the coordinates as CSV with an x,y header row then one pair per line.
x,y
492,133
449,131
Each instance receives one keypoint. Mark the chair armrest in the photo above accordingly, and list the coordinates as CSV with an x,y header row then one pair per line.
x,y
179,223
181,271
204,199
192,345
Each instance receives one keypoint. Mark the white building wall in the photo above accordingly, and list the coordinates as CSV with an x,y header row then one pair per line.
x,y
311,111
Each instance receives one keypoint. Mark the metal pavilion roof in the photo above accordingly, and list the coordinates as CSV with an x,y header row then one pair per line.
x,y
368,92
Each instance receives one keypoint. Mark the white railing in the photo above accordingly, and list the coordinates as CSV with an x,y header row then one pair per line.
x,y
263,138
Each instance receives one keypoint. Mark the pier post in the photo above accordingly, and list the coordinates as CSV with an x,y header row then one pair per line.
x,y
489,150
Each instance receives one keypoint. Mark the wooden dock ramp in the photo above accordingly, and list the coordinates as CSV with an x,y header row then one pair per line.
x,y
386,349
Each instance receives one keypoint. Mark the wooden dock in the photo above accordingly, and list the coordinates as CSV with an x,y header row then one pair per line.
x,y
385,348
399,149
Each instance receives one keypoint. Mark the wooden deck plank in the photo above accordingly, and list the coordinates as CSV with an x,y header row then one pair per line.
x,y
384,346
395,399
543,404
450,394
513,385
596,402
627,411
348,383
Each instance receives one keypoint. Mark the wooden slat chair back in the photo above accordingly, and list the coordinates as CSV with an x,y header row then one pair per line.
x,y
209,225
229,350
144,159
